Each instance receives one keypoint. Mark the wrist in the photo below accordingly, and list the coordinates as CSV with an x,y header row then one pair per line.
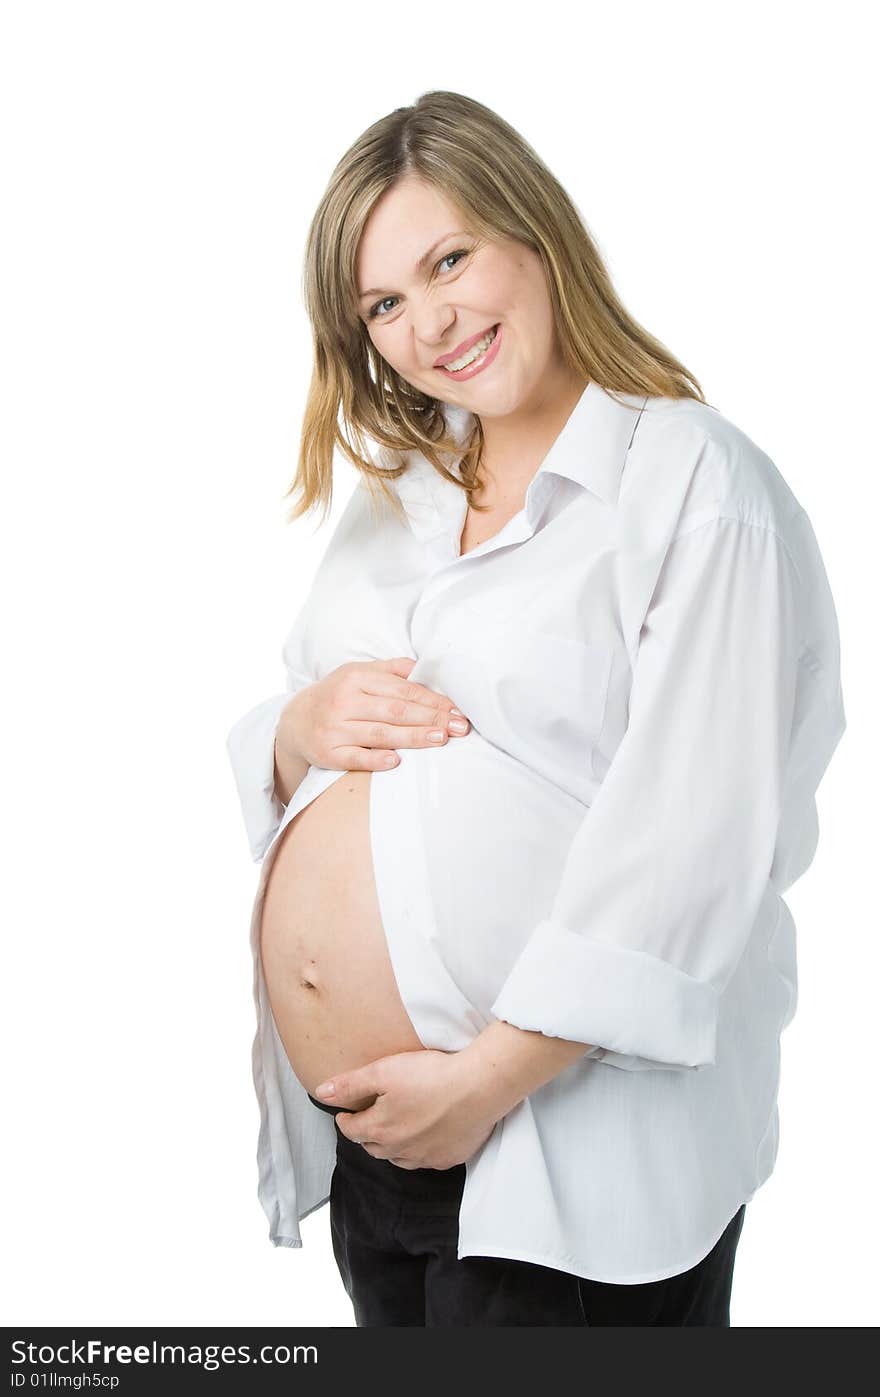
x,y
288,720
505,1064
290,764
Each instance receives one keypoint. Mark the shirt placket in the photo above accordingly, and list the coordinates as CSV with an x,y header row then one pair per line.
x,y
449,505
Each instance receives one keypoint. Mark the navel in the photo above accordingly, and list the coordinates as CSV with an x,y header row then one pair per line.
x,y
305,980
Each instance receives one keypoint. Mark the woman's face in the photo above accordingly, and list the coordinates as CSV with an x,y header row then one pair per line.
x,y
416,314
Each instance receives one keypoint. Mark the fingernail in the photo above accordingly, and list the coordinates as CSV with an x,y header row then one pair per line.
x,y
457,725
325,1089
457,711
435,736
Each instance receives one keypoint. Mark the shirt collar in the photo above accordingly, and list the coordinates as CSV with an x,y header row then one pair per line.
x,y
590,450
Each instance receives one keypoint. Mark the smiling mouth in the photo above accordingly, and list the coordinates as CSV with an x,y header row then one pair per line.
x,y
473,355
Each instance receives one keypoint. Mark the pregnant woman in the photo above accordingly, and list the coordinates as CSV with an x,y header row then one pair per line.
x,y
558,702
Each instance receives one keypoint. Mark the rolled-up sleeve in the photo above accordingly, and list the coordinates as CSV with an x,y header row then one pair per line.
x,y
250,744
663,880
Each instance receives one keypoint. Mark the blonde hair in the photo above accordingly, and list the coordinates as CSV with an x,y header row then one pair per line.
x,y
503,189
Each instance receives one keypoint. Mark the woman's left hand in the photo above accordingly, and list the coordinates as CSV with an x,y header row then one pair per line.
x,y
428,1113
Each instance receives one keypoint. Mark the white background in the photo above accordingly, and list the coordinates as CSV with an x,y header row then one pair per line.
x,y
160,165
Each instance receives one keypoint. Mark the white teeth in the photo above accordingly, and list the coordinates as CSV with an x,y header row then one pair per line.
x,y
479,348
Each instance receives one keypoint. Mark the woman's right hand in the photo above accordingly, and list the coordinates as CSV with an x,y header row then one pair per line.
x,y
354,718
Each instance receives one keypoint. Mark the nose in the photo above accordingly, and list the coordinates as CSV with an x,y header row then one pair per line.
x,y
434,329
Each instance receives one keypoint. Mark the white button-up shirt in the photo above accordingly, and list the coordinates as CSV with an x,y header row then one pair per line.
x,y
648,654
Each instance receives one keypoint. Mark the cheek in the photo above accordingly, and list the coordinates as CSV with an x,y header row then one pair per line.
x,y
523,301
394,344
385,348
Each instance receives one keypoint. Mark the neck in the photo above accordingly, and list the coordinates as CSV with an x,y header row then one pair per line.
x,y
515,445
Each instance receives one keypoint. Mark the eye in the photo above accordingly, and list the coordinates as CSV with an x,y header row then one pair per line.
x,y
461,253
373,312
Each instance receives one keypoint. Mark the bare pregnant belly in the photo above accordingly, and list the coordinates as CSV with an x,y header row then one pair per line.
x,y
328,974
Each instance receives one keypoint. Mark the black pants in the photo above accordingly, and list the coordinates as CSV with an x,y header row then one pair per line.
x,y
395,1240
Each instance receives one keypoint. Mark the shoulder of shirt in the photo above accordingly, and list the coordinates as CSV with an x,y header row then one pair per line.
x,y
688,457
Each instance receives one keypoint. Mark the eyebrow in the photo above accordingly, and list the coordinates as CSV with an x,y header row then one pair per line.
x,y
376,290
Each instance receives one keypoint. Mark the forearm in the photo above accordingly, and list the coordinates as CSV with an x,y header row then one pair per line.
x,y
290,765
509,1063
289,773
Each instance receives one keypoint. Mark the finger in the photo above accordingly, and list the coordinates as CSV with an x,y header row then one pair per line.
x,y
378,1154
372,1149
398,664
346,1089
364,758
359,1127
343,1120
375,678
389,736
401,712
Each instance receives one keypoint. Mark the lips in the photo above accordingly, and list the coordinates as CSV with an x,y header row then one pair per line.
x,y
463,347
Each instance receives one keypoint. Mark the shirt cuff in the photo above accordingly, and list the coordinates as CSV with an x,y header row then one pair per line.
x,y
633,1004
